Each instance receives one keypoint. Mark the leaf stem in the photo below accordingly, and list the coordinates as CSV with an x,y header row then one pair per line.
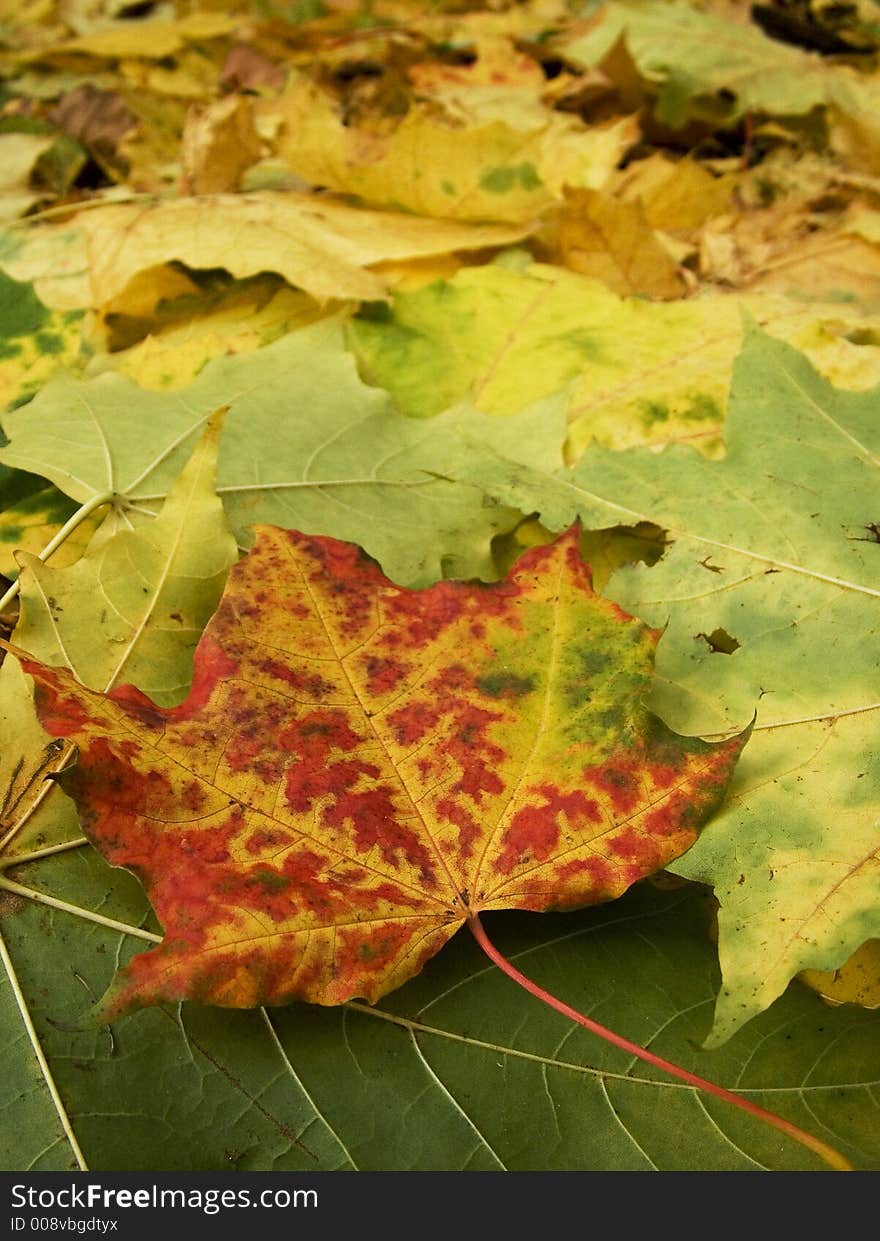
x,y
41,1057
825,1152
34,855
54,902
103,497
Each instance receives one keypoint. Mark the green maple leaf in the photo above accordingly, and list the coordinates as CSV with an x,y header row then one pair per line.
x,y
132,608
690,56
305,444
773,557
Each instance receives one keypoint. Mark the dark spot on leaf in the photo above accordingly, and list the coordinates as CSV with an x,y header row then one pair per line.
x,y
49,342
270,880
505,177
505,685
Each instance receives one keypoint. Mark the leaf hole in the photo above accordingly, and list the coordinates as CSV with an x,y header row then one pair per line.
x,y
720,642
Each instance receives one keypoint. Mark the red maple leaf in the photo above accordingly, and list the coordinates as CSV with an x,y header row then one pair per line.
x,y
359,768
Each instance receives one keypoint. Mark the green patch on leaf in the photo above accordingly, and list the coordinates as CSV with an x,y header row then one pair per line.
x,y
505,177
505,684
49,343
21,311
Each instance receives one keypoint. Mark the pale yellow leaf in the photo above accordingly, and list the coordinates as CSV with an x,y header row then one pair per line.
x,y
153,40
453,167
323,247
857,981
675,196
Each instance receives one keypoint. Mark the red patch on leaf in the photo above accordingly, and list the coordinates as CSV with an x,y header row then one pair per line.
x,y
618,781
211,665
535,830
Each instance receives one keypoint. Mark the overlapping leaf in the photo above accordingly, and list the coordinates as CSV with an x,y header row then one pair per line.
x,y
305,444
776,193
769,594
636,372
133,607
130,609
490,168
473,1086
699,60
323,247
358,767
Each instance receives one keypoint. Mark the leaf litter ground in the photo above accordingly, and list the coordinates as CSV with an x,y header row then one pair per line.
x,y
546,117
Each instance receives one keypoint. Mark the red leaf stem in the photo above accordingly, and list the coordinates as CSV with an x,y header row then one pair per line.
x,y
831,1156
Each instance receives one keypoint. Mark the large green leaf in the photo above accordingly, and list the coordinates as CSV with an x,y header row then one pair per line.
x,y
305,445
705,64
769,593
457,1070
129,611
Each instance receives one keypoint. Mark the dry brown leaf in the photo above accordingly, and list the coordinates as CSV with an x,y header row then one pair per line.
x,y
610,240
97,119
219,144
781,249
675,196
825,266
245,68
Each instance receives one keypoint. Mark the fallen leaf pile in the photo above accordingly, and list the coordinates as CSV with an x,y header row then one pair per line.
x,y
337,340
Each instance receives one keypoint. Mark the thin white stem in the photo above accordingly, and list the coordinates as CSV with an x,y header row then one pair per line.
x,y
761,557
18,859
42,898
41,1057
801,719
298,485
36,854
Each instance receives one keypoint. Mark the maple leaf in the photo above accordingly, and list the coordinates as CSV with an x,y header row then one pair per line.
x,y
610,240
506,113
359,768
346,463
131,609
504,167
695,58
772,559
323,246
635,372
